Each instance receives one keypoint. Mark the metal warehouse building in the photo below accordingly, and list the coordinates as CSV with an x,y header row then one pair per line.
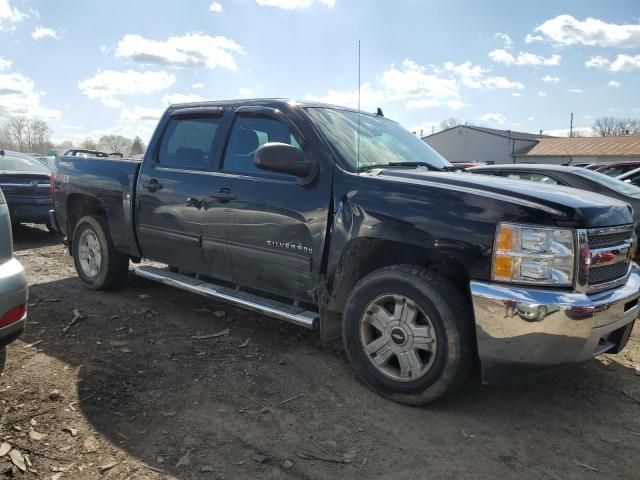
x,y
467,143
581,150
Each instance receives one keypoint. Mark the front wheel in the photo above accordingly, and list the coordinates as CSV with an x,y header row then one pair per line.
x,y
99,265
408,334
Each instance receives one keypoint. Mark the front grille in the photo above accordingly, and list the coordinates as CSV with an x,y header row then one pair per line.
x,y
607,273
608,239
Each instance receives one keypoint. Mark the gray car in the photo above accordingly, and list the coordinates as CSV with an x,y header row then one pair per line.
x,y
14,288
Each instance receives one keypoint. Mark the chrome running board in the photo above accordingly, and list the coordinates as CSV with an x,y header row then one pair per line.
x,y
298,316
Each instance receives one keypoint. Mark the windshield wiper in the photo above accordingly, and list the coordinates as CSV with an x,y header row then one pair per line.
x,y
365,168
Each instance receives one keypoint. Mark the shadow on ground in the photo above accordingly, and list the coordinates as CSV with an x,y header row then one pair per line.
x,y
264,393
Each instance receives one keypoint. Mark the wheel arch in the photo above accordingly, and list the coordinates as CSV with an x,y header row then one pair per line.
x,y
363,255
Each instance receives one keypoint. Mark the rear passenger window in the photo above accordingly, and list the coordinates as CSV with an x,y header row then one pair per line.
x,y
534,177
247,135
188,143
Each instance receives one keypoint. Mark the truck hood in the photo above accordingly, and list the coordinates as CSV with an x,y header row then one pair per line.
x,y
569,206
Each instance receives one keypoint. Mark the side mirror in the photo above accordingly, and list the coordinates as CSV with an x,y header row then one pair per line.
x,y
284,158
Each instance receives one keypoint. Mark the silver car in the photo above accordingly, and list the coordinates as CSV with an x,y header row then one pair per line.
x,y
14,288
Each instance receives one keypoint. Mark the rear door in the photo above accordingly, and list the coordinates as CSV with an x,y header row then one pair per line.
x,y
172,185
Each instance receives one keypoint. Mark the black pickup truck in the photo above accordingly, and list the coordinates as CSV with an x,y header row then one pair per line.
x,y
346,223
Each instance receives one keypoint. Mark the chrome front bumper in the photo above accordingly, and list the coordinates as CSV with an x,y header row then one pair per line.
x,y
544,328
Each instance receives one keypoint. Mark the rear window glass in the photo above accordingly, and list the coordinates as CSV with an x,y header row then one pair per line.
x,y
21,163
611,183
188,143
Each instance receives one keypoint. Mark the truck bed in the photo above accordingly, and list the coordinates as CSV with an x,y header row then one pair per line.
x,y
108,183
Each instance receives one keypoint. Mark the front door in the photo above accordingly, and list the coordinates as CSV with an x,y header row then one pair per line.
x,y
273,227
172,186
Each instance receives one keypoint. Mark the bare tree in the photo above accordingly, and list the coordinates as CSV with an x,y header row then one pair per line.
x,y
115,143
26,135
616,127
16,129
89,144
450,123
39,133
137,147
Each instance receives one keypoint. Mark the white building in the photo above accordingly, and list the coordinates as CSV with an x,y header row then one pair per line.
x,y
467,143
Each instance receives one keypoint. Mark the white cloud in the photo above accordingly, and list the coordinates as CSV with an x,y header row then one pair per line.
x,y
18,96
141,114
245,91
369,97
533,38
508,43
44,32
516,94
191,50
531,118
197,86
9,16
502,83
575,90
215,7
419,88
173,98
109,84
5,64
550,79
567,30
622,63
613,84
542,93
493,118
523,58
293,4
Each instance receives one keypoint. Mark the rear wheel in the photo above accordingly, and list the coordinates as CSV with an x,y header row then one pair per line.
x,y
408,334
98,263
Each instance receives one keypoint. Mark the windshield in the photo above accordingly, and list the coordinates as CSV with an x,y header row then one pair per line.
x,y
382,142
21,163
609,182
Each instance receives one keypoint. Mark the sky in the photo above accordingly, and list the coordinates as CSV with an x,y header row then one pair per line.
x,y
93,67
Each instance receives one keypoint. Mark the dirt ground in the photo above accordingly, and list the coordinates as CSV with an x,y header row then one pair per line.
x,y
127,392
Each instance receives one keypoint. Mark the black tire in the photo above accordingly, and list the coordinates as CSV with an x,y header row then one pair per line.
x,y
451,319
113,266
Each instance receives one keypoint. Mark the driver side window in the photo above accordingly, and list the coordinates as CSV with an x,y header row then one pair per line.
x,y
247,135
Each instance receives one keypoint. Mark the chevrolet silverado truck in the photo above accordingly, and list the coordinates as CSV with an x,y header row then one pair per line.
x,y
344,222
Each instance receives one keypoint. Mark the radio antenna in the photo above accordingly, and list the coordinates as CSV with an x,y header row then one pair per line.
x,y
358,134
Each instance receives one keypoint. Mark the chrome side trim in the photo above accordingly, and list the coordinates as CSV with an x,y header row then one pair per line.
x,y
279,310
25,185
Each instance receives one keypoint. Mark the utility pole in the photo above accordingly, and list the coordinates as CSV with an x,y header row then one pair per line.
x,y
571,127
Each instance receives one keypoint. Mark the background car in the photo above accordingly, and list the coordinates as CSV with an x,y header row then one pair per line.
x,y
26,183
575,177
632,177
614,169
13,286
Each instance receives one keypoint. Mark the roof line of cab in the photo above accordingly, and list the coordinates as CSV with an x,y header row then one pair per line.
x,y
266,102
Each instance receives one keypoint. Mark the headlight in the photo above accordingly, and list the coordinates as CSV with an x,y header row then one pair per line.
x,y
543,256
